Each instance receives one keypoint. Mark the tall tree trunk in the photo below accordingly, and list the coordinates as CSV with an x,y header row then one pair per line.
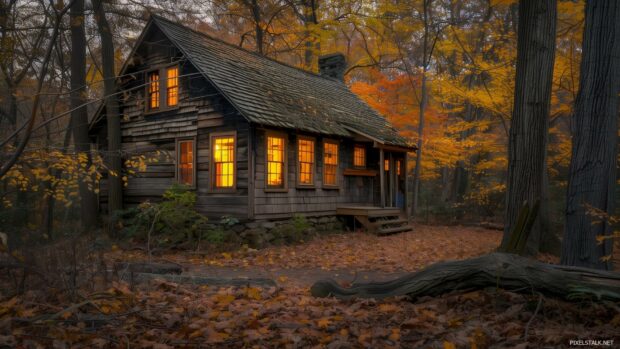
x,y
115,184
310,18
527,147
425,61
79,116
258,29
592,171
418,158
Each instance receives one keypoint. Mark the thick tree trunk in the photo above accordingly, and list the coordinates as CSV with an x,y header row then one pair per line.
x,y
527,147
592,171
425,61
115,183
507,271
418,158
79,116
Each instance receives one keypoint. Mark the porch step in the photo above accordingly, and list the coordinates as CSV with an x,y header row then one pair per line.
x,y
384,213
400,229
398,221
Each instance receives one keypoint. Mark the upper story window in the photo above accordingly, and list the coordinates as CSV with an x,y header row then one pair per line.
x,y
330,163
276,157
185,162
172,86
359,156
223,164
153,90
305,158
163,88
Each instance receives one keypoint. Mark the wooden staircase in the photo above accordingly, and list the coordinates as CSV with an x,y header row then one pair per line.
x,y
377,220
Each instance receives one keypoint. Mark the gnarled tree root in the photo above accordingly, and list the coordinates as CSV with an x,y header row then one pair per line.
x,y
501,270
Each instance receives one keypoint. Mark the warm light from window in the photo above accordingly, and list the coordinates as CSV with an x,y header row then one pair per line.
x,y
330,152
359,156
386,164
172,86
154,90
398,167
306,161
275,161
224,161
186,162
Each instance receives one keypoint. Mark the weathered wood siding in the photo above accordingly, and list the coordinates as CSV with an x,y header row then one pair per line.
x,y
309,201
201,111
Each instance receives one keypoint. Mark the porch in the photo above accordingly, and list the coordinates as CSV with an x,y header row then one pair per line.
x,y
376,220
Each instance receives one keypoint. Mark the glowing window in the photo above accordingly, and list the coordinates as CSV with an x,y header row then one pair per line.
x,y
305,149
359,156
386,164
275,162
186,162
154,90
223,161
172,86
330,163
398,167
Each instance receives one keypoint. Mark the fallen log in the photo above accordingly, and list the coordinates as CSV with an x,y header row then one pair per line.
x,y
199,280
152,268
501,270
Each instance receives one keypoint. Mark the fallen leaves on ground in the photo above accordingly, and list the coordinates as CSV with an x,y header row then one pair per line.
x,y
163,314
361,251
410,251
166,315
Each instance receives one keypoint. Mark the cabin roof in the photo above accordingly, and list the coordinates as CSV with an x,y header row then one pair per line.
x,y
271,93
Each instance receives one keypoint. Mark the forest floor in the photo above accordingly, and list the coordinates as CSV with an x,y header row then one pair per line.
x,y
163,314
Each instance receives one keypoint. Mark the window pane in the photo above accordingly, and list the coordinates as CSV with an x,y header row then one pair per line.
x,y
224,159
306,161
172,86
386,164
398,167
359,156
275,161
330,163
154,90
186,162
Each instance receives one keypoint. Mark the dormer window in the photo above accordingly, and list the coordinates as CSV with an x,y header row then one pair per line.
x,y
172,86
154,90
163,88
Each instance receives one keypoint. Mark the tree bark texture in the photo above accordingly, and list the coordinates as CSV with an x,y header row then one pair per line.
x,y
425,61
592,172
115,183
530,116
502,270
79,116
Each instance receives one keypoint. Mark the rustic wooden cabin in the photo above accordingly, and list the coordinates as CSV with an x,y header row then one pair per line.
x,y
255,138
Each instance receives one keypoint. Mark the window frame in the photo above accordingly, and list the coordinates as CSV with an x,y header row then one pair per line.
x,y
363,147
147,95
162,70
177,151
298,163
178,85
212,137
338,160
284,186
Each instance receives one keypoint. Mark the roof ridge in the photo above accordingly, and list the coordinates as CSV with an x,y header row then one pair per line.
x,y
208,36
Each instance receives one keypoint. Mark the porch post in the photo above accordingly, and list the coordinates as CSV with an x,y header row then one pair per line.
x,y
406,173
382,176
391,169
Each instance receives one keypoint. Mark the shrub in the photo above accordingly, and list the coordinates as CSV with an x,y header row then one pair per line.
x,y
173,221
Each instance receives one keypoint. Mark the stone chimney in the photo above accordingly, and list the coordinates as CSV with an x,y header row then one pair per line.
x,y
333,66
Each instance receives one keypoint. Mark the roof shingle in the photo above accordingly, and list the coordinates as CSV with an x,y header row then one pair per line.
x,y
271,93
